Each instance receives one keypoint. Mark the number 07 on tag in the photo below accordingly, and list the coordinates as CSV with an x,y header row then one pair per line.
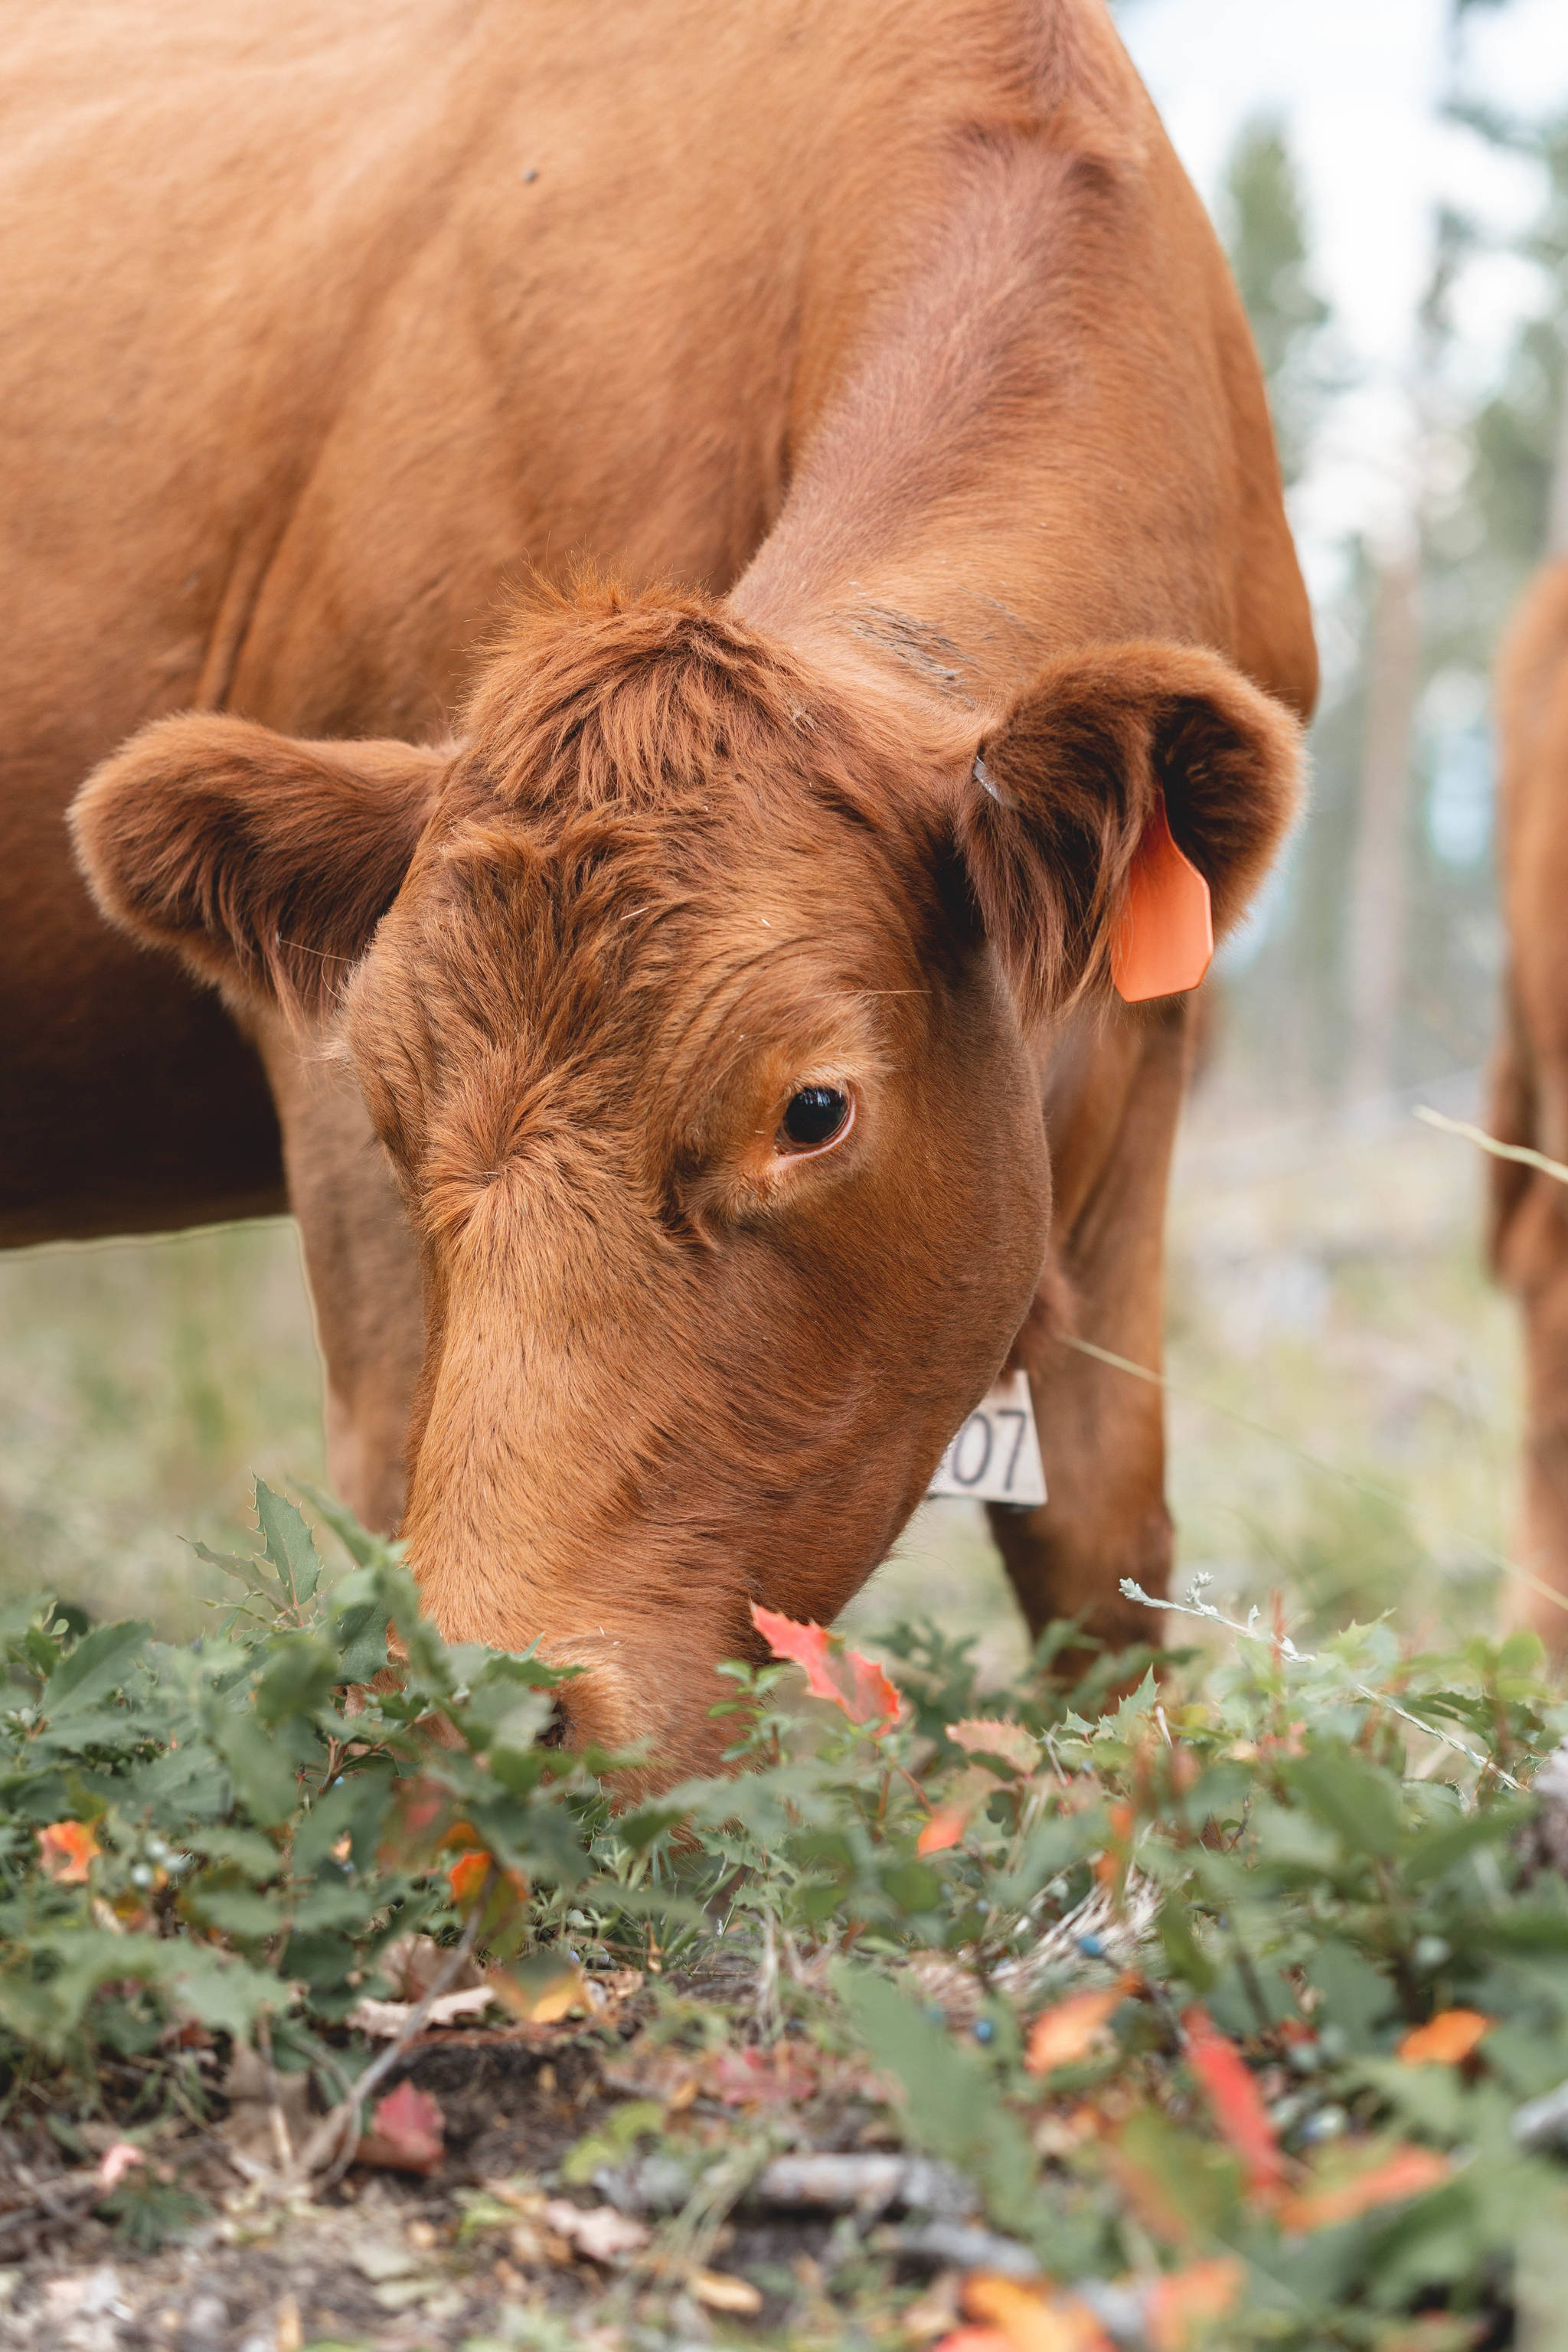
x,y
995,1456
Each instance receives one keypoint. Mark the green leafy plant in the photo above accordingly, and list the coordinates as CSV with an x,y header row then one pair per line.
x,y
1234,1992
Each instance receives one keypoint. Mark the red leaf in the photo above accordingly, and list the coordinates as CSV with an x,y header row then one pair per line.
x,y
406,2132
1236,2101
117,2161
1409,2171
784,2076
855,1684
65,1851
417,1822
872,1696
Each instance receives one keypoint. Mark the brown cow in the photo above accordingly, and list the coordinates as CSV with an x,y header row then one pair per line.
x,y
1529,1220
711,1022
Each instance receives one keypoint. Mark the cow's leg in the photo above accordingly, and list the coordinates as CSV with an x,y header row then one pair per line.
x,y
1543,1531
1528,1238
1102,1429
363,1272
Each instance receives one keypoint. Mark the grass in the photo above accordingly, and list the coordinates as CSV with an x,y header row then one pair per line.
x,y
142,1385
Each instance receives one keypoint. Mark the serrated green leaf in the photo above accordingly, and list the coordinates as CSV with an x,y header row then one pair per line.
x,y
356,1808
97,1664
226,1995
240,1910
300,1675
1358,1801
265,1780
289,1545
363,1546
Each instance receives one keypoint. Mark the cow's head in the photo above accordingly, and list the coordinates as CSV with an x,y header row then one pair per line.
x,y
690,1000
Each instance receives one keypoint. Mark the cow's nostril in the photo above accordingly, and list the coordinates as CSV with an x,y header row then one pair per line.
x,y
554,1732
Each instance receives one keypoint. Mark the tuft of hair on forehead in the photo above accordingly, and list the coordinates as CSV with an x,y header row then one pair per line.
x,y
599,696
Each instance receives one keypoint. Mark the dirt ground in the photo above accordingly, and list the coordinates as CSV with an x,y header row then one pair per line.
x,y
492,2249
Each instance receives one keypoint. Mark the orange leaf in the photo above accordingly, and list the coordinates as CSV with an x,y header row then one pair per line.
x,y
1234,2100
970,1794
1065,2034
1026,2322
406,2132
985,1735
467,1876
1205,2290
1410,2172
545,1996
1446,2040
854,1683
65,1851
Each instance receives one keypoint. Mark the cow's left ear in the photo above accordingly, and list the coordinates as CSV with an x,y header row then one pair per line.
x,y
1062,825
263,863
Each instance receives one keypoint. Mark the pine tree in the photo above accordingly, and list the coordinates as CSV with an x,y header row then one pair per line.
x,y
1264,218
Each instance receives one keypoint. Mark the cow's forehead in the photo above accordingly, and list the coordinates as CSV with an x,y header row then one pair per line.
x,y
652,947
731,852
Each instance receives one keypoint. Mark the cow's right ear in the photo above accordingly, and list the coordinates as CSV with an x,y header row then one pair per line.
x,y
265,864
1073,788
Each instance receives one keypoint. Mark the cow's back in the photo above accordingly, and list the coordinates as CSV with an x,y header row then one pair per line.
x,y
317,324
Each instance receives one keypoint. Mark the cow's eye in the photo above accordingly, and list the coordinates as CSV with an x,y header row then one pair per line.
x,y
815,1116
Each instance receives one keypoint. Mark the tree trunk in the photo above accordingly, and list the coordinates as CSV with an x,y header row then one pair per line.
x,y
1378,879
1557,501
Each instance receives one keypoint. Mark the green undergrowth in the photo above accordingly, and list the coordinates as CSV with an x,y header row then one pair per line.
x,y
1140,1958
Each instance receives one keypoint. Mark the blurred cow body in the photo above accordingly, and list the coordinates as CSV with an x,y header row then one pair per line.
x,y
899,334
1529,1220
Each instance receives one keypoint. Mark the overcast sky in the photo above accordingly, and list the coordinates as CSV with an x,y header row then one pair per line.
x,y
1360,84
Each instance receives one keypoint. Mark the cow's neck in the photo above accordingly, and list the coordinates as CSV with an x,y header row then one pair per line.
x,y
1032,447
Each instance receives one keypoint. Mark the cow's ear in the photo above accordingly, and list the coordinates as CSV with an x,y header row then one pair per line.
x,y
265,864
1062,825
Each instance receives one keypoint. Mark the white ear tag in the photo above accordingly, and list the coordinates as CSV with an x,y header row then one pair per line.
x,y
995,1457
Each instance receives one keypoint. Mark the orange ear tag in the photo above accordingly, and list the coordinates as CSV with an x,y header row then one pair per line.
x,y
1163,940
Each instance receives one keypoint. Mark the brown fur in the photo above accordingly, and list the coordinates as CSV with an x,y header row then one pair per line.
x,y
667,878
1529,1211
898,333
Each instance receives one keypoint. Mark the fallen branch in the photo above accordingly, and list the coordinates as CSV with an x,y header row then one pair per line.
x,y
50,2206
